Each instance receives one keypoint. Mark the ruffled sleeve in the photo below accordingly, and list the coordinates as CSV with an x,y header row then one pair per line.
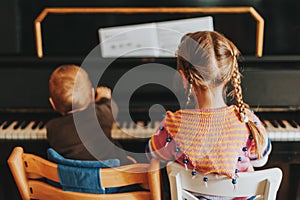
x,y
161,145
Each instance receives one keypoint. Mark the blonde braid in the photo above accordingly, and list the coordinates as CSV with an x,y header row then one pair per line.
x,y
236,83
258,136
192,78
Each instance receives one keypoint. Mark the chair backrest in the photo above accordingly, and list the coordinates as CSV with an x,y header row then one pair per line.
x,y
27,169
263,183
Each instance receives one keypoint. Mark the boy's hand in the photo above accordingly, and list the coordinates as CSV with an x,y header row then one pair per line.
x,y
102,92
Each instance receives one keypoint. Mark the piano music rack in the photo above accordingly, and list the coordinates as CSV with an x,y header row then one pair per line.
x,y
134,10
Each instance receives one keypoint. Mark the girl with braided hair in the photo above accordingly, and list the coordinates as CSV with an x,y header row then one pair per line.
x,y
214,137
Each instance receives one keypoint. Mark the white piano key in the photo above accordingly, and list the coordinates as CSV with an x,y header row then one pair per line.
x,y
131,128
115,130
28,130
289,131
31,134
40,132
9,131
140,131
273,134
153,129
135,131
17,130
2,134
294,124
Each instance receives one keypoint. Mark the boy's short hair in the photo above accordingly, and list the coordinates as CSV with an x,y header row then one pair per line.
x,y
70,88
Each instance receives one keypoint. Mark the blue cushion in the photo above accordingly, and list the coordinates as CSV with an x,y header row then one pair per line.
x,y
81,176
57,158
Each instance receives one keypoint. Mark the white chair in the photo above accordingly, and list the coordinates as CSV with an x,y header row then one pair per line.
x,y
263,183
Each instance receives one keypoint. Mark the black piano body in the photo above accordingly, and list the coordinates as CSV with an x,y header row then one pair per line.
x,y
270,86
270,83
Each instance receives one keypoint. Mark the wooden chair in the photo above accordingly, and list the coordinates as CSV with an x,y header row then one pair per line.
x,y
26,168
264,183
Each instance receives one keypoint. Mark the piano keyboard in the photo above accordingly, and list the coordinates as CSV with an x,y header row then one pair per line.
x,y
278,130
22,130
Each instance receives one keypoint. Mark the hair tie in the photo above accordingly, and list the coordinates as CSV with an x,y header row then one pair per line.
x,y
244,118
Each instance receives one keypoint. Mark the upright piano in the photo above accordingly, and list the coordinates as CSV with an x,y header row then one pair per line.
x,y
270,86
270,83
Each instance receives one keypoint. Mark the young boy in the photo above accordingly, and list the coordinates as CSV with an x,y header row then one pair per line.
x,y
72,95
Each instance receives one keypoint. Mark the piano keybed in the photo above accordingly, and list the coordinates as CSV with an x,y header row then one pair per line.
x,y
278,130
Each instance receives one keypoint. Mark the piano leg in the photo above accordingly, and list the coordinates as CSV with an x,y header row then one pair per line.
x,y
8,189
290,184
296,177
284,190
286,156
298,187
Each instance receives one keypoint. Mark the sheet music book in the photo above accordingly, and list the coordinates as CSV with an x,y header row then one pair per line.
x,y
159,39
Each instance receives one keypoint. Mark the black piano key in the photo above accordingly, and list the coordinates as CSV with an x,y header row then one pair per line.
x,y
274,123
35,125
18,125
42,124
146,125
281,124
293,123
7,124
1,121
128,124
264,123
25,124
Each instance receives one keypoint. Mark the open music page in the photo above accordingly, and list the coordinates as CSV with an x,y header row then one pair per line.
x,y
169,33
129,41
150,39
